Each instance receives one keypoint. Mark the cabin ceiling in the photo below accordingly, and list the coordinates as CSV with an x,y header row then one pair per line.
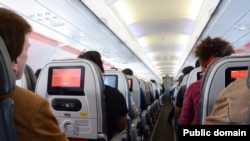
x,y
163,31
155,38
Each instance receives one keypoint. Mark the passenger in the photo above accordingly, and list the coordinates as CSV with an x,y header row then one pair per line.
x,y
33,118
185,71
134,109
143,105
116,108
172,93
181,92
157,95
206,51
128,71
163,95
231,105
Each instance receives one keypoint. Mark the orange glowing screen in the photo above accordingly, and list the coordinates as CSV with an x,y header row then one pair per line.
x,y
238,73
66,77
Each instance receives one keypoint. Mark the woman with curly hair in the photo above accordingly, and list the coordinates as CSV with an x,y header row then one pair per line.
x,y
208,50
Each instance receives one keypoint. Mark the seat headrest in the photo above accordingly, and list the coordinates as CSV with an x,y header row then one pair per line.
x,y
7,78
30,78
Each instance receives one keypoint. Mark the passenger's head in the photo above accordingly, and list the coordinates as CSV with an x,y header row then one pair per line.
x,y
187,70
127,71
15,30
93,56
211,48
153,81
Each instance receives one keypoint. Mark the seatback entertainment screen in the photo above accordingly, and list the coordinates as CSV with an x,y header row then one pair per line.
x,y
66,80
111,80
233,73
130,84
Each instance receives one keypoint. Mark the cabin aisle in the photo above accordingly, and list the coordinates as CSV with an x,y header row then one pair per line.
x,y
162,131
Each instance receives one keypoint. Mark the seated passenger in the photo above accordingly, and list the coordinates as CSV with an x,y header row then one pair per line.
x,y
33,117
116,108
206,51
128,71
134,109
231,105
181,92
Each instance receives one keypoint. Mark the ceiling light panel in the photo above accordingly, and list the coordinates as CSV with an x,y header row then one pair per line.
x,y
153,39
132,11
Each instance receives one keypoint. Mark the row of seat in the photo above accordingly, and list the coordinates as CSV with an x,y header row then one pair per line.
x,y
133,92
217,76
80,107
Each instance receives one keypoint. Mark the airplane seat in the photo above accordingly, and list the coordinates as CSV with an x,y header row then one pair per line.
x,y
157,96
134,88
220,73
184,80
145,113
182,83
75,91
194,75
7,85
118,80
182,87
155,105
30,78
150,100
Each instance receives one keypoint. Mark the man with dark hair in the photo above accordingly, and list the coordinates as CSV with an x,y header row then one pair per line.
x,y
128,71
187,70
116,108
33,117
